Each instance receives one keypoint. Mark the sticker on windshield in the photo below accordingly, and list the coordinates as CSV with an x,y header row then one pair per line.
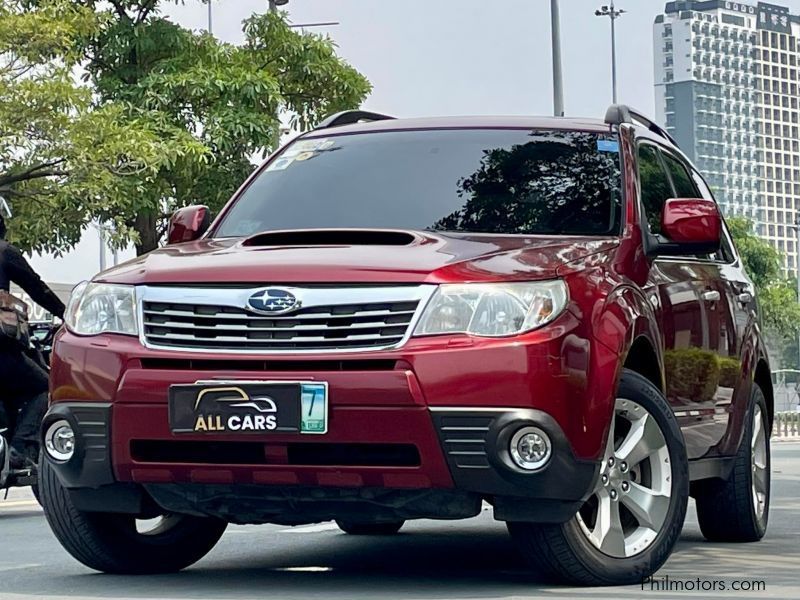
x,y
608,145
305,146
300,151
280,164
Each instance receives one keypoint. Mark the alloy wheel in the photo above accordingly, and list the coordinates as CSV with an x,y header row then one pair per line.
x,y
629,505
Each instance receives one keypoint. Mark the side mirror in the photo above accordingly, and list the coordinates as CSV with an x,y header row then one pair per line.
x,y
690,226
188,224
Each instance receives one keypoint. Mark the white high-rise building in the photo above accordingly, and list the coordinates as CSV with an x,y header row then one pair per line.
x,y
727,90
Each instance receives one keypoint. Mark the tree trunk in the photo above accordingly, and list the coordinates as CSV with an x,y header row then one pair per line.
x,y
145,226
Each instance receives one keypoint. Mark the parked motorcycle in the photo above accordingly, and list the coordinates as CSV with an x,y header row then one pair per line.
x,y
41,346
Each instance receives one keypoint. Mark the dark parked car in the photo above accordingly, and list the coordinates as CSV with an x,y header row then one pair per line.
x,y
400,319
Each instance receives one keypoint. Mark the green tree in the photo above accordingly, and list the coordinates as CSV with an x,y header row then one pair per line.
x,y
61,158
162,117
761,261
777,295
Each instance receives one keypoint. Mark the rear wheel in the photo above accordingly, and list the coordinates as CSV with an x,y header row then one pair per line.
x,y
354,528
628,526
737,509
116,543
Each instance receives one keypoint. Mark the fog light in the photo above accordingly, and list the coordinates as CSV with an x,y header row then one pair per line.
x,y
59,441
530,448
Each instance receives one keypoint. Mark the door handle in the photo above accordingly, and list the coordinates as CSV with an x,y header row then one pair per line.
x,y
711,296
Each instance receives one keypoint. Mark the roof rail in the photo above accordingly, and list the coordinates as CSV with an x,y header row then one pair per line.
x,y
348,117
620,113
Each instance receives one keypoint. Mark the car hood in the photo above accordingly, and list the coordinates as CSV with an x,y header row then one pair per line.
x,y
408,257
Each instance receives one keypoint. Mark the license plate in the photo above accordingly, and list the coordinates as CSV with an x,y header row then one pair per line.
x,y
249,407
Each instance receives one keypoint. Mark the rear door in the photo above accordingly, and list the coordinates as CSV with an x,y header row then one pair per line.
x,y
691,301
734,390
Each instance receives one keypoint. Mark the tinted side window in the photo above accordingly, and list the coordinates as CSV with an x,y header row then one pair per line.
x,y
684,188
656,188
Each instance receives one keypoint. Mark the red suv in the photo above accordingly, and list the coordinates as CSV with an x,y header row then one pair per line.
x,y
402,319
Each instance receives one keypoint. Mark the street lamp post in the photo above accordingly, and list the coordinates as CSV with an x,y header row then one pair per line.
x,y
612,13
558,81
274,4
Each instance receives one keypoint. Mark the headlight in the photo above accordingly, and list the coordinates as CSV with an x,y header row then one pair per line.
x,y
96,308
492,309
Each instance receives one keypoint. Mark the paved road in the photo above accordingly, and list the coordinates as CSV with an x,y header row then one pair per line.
x,y
428,559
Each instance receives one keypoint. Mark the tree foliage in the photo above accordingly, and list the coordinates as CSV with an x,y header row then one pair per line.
x,y
112,112
777,295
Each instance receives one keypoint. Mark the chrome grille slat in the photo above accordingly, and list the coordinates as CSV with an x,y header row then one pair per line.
x,y
251,345
296,339
256,327
251,316
197,319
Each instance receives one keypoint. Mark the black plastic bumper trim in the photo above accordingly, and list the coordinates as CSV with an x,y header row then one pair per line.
x,y
90,465
118,498
475,444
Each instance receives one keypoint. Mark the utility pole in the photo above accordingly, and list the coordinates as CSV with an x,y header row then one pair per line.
x,y
210,19
558,81
613,14
101,238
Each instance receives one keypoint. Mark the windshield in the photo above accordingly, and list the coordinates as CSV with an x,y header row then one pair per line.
x,y
481,181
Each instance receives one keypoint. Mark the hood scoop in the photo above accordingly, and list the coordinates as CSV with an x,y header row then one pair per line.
x,y
332,237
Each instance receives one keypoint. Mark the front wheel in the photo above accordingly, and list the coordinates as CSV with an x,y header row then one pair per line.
x,y
628,526
116,543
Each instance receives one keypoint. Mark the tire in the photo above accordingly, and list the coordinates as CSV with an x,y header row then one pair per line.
x,y
726,510
571,552
111,543
353,528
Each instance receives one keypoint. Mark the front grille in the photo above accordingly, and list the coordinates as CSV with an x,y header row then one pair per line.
x,y
371,323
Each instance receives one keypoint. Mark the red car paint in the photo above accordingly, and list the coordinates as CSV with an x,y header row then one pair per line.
x,y
619,299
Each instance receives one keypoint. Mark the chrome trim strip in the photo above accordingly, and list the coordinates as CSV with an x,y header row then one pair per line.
x,y
223,327
223,317
310,297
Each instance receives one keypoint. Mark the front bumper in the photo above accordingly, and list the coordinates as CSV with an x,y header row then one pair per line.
x,y
271,489
392,425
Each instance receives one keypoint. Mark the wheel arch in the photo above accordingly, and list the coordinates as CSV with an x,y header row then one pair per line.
x,y
643,359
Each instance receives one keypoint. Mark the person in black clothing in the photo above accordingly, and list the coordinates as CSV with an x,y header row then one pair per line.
x,y
23,383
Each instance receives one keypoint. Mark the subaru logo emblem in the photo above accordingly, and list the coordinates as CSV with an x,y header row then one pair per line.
x,y
273,301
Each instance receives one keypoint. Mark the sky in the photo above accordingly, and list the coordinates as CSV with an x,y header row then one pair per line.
x,y
451,57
